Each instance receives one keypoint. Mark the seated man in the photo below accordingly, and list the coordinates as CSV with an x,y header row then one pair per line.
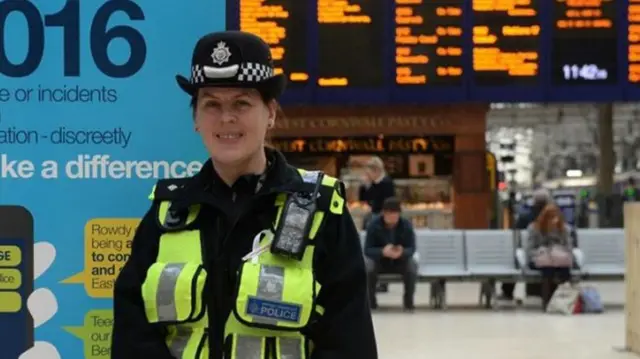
x,y
389,247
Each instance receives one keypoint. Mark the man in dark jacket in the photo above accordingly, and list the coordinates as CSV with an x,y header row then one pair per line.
x,y
390,245
376,188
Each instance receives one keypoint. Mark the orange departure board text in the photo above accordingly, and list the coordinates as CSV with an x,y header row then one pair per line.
x,y
428,39
506,42
351,43
584,42
634,41
282,24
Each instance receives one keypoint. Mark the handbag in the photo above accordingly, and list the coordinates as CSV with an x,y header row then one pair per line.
x,y
542,258
560,257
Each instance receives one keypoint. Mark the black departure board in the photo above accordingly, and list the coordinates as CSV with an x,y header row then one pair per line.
x,y
506,42
351,43
633,35
283,25
428,42
584,42
358,52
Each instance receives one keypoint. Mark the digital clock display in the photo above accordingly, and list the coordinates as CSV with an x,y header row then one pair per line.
x,y
584,42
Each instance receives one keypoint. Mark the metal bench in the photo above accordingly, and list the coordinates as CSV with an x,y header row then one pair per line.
x,y
441,259
441,254
603,253
490,258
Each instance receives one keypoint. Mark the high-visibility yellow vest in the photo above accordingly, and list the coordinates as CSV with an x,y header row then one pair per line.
x,y
276,296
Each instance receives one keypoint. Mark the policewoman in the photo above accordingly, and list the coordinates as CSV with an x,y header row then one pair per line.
x,y
251,258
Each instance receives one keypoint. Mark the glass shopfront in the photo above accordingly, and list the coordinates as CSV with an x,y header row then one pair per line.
x,y
421,166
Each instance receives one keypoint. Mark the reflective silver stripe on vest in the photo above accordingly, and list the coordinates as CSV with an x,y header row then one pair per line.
x,y
290,348
179,342
248,347
165,297
270,287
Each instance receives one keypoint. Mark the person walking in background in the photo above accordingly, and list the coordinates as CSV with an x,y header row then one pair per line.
x,y
377,186
631,192
389,247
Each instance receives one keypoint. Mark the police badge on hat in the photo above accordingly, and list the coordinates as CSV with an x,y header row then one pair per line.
x,y
233,59
221,53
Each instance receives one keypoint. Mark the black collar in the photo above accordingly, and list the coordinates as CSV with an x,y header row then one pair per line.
x,y
278,174
207,186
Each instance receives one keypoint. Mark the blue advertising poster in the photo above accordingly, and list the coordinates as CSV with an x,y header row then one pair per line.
x,y
90,118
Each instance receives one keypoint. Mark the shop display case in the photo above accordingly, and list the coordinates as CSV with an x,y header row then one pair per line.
x,y
426,202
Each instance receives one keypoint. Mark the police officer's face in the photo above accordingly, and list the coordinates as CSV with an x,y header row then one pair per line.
x,y
232,123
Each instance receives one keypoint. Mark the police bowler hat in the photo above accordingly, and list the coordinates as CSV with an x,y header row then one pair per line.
x,y
233,59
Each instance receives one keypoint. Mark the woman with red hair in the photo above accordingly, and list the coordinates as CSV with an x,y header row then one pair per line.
x,y
550,250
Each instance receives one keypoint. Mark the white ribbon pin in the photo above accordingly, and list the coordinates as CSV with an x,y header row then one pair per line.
x,y
257,248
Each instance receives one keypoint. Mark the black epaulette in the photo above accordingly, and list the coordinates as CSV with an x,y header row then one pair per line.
x,y
176,216
169,189
325,193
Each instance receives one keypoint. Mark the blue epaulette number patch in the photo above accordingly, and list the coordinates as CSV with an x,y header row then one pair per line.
x,y
263,308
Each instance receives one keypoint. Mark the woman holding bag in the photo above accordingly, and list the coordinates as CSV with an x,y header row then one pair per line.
x,y
550,250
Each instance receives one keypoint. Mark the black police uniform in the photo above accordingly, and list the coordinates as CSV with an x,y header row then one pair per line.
x,y
229,218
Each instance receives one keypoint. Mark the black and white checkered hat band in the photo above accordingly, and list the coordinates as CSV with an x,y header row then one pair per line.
x,y
197,74
249,72
253,72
